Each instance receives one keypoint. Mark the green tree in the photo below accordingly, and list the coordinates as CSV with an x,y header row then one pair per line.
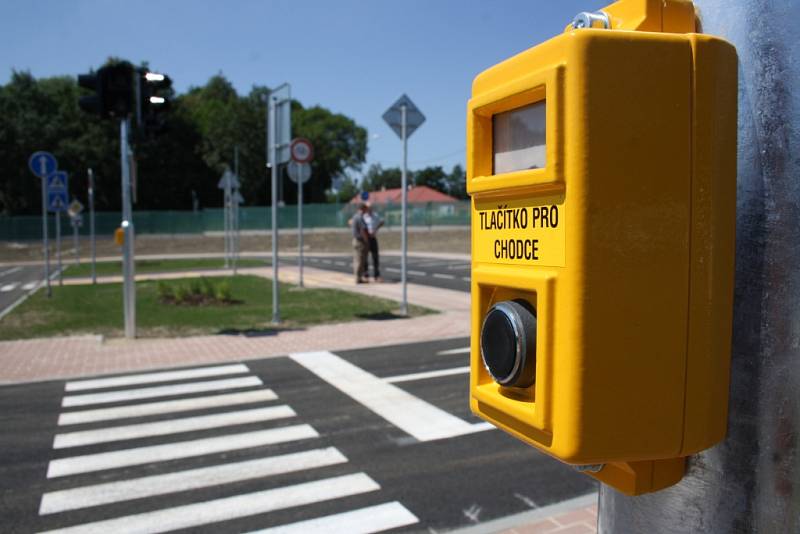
x,y
378,178
340,145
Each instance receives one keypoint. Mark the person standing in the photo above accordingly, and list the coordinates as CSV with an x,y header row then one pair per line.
x,y
360,244
373,222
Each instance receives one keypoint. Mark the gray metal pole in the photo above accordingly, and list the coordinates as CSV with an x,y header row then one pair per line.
x,y
235,212
58,248
91,226
300,227
45,240
226,219
128,265
750,483
404,213
75,242
276,313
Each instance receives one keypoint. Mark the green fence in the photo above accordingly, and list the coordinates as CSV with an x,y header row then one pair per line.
x,y
25,227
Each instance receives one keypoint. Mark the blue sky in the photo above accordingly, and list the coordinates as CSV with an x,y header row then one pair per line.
x,y
352,56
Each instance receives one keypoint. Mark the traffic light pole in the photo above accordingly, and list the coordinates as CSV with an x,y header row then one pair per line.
x,y
751,481
128,266
273,140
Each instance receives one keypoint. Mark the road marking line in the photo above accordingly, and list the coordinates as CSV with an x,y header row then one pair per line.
x,y
159,391
156,408
392,269
466,278
444,276
11,271
464,350
459,267
9,287
407,412
340,263
30,285
171,426
327,261
430,263
173,451
362,521
138,488
427,374
416,273
225,509
165,376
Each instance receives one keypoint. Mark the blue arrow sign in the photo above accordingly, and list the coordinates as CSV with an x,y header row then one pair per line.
x,y
57,181
57,201
42,163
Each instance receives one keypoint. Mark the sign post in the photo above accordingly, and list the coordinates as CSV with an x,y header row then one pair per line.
x,y
57,199
228,183
74,211
278,135
299,170
403,117
42,164
128,265
91,226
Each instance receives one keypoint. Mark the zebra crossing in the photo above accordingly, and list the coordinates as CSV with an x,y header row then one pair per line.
x,y
194,448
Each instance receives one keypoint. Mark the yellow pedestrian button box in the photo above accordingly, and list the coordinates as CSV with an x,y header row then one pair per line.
x,y
602,170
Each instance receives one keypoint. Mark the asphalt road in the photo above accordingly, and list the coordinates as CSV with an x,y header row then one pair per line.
x,y
437,272
17,281
357,441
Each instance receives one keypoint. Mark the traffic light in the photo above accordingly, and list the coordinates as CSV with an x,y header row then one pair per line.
x,y
153,99
113,88
602,170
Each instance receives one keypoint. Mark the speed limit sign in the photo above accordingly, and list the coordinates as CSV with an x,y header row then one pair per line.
x,y
301,149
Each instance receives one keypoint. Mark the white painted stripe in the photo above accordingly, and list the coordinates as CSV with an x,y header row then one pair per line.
x,y
363,521
444,276
340,263
150,486
159,391
412,415
464,350
10,271
9,287
427,374
164,376
173,451
172,426
466,278
157,408
392,269
204,513
430,263
416,273
29,286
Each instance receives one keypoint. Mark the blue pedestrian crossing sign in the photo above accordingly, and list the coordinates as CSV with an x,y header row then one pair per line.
x,y
57,201
57,181
57,191
42,163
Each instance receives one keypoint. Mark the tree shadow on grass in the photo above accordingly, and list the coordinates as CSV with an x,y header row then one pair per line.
x,y
381,316
255,332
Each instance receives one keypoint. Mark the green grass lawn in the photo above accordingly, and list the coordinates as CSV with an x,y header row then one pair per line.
x,y
111,268
97,309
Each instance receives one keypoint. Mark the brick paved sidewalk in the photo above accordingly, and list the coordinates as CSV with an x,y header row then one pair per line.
x,y
67,357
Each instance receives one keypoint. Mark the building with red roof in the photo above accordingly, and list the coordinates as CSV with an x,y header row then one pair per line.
x,y
421,194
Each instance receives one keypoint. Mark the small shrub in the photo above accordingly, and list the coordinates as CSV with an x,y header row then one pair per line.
x,y
223,292
165,292
196,292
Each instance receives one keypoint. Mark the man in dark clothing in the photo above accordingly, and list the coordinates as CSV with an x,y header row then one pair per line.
x,y
373,222
360,244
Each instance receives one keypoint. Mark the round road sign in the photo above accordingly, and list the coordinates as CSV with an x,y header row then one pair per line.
x,y
299,171
42,163
302,151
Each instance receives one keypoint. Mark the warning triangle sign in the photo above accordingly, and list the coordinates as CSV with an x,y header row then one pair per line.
x,y
56,182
